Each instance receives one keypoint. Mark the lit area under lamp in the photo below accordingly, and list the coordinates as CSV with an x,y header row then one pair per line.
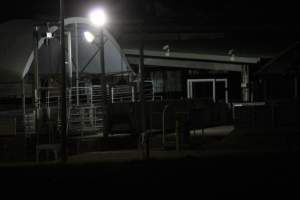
x,y
166,48
231,54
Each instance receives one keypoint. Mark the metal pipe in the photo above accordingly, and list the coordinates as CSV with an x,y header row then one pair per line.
x,y
103,80
63,89
141,93
141,73
214,90
23,98
296,87
36,77
70,63
77,64
245,83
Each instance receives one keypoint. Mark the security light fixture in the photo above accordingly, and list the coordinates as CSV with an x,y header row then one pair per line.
x,y
49,35
89,36
167,49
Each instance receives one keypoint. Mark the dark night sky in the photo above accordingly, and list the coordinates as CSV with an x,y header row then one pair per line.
x,y
212,12
270,20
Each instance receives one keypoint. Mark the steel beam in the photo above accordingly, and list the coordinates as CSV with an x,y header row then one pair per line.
x,y
193,56
187,64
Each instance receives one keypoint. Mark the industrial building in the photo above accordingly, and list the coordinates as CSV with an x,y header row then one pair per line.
x,y
164,89
206,87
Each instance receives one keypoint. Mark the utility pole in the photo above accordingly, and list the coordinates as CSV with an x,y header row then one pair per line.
x,y
103,80
63,89
142,96
296,95
36,80
77,63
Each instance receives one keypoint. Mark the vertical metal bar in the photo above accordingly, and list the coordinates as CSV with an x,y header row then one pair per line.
x,y
153,93
191,88
214,90
141,93
188,89
70,63
251,92
112,95
226,91
23,97
296,87
245,83
77,64
104,93
91,90
63,89
142,96
132,94
36,77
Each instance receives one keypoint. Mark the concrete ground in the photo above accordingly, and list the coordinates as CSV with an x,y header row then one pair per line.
x,y
203,171
187,171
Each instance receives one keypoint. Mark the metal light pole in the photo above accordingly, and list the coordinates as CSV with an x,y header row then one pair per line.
x,y
142,96
77,63
103,80
98,18
36,79
63,89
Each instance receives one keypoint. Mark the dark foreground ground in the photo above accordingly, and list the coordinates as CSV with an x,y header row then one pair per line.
x,y
272,170
227,172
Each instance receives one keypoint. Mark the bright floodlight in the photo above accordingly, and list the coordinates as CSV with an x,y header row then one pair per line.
x,y
98,17
49,35
89,36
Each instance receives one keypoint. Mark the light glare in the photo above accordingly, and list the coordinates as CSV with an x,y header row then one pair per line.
x,y
98,17
89,36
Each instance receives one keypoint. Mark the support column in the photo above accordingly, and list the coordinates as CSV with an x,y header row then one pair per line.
x,y
23,97
141,93
142,98
77,64
103,83
70,63
36,78
64,85
245,83
296,85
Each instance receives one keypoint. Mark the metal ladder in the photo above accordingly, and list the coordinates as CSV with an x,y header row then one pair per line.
x,y
86,115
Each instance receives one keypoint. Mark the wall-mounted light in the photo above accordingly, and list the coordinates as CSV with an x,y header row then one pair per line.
x,y
89,36
167,49
231,54
49,35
